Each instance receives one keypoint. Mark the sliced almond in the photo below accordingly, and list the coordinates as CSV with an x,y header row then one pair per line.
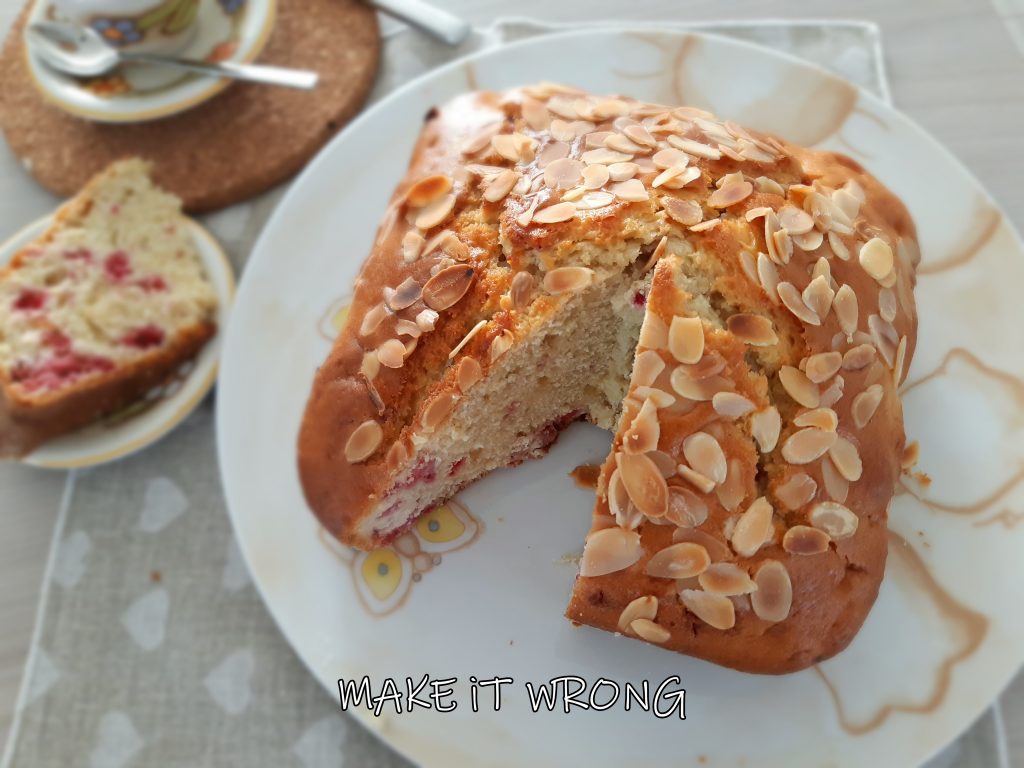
x,y
370,366
887,304
730,194
859,357
391,353
765,426
755,330
467,338
500,185
731,405
644,431
774,596
609,550
679,180
732,492
726,579
568,279
797,491
694,148
604,156
846,459
794,220
865,404
591,200
622,171
686,212
555,150
439,409
753,529
834,519
845,304
653,332
397,456
555,214
521,289
501,344
768,275
372,319
595,176
805,540
405,295
715,610
705,455
645,607
412,245
449,285
818,296
563,173
806,445
678,561
671,158
426,319
686,339
685,508
647,630
823,366
799,387
837,487
794,302
875,257
435,213
632,191
426,191
822,418
644,484
665,463
647,367
701,482
835,242
364,440
468,373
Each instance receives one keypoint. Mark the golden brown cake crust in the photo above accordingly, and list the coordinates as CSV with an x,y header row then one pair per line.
x,y
746,226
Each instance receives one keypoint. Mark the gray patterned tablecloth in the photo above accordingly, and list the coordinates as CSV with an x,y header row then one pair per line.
x,y
153,648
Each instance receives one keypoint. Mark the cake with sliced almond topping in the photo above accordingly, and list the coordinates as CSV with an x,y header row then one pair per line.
x,y
105,305
738,310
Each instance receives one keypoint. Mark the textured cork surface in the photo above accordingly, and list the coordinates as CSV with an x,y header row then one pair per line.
x,y
234,146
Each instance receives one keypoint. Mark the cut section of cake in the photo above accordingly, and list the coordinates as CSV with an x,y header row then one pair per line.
x,y
104,306
741,308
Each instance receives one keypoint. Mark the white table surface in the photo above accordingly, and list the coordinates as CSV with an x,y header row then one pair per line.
x,y
955,66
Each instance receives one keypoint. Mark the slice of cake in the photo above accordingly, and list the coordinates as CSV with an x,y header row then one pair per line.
x,y
539,236
108,303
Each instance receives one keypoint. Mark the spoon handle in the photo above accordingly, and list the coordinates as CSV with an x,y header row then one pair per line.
x,y
254,73
445,26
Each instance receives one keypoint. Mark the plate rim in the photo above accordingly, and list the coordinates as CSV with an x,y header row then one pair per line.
x,y
364,718
214,86
210,247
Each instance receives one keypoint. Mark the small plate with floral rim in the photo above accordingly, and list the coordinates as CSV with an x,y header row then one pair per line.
x,y
226,30
163,408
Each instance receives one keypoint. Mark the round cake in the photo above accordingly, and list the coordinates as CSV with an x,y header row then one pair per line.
x,y
738,310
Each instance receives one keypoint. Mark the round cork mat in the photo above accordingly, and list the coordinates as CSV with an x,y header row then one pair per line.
x,y
236,145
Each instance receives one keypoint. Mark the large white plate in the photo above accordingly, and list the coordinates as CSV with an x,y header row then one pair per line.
x,y
944,636
146,422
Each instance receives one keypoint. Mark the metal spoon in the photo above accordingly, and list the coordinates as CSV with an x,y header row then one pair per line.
x,y
446,27
81,51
